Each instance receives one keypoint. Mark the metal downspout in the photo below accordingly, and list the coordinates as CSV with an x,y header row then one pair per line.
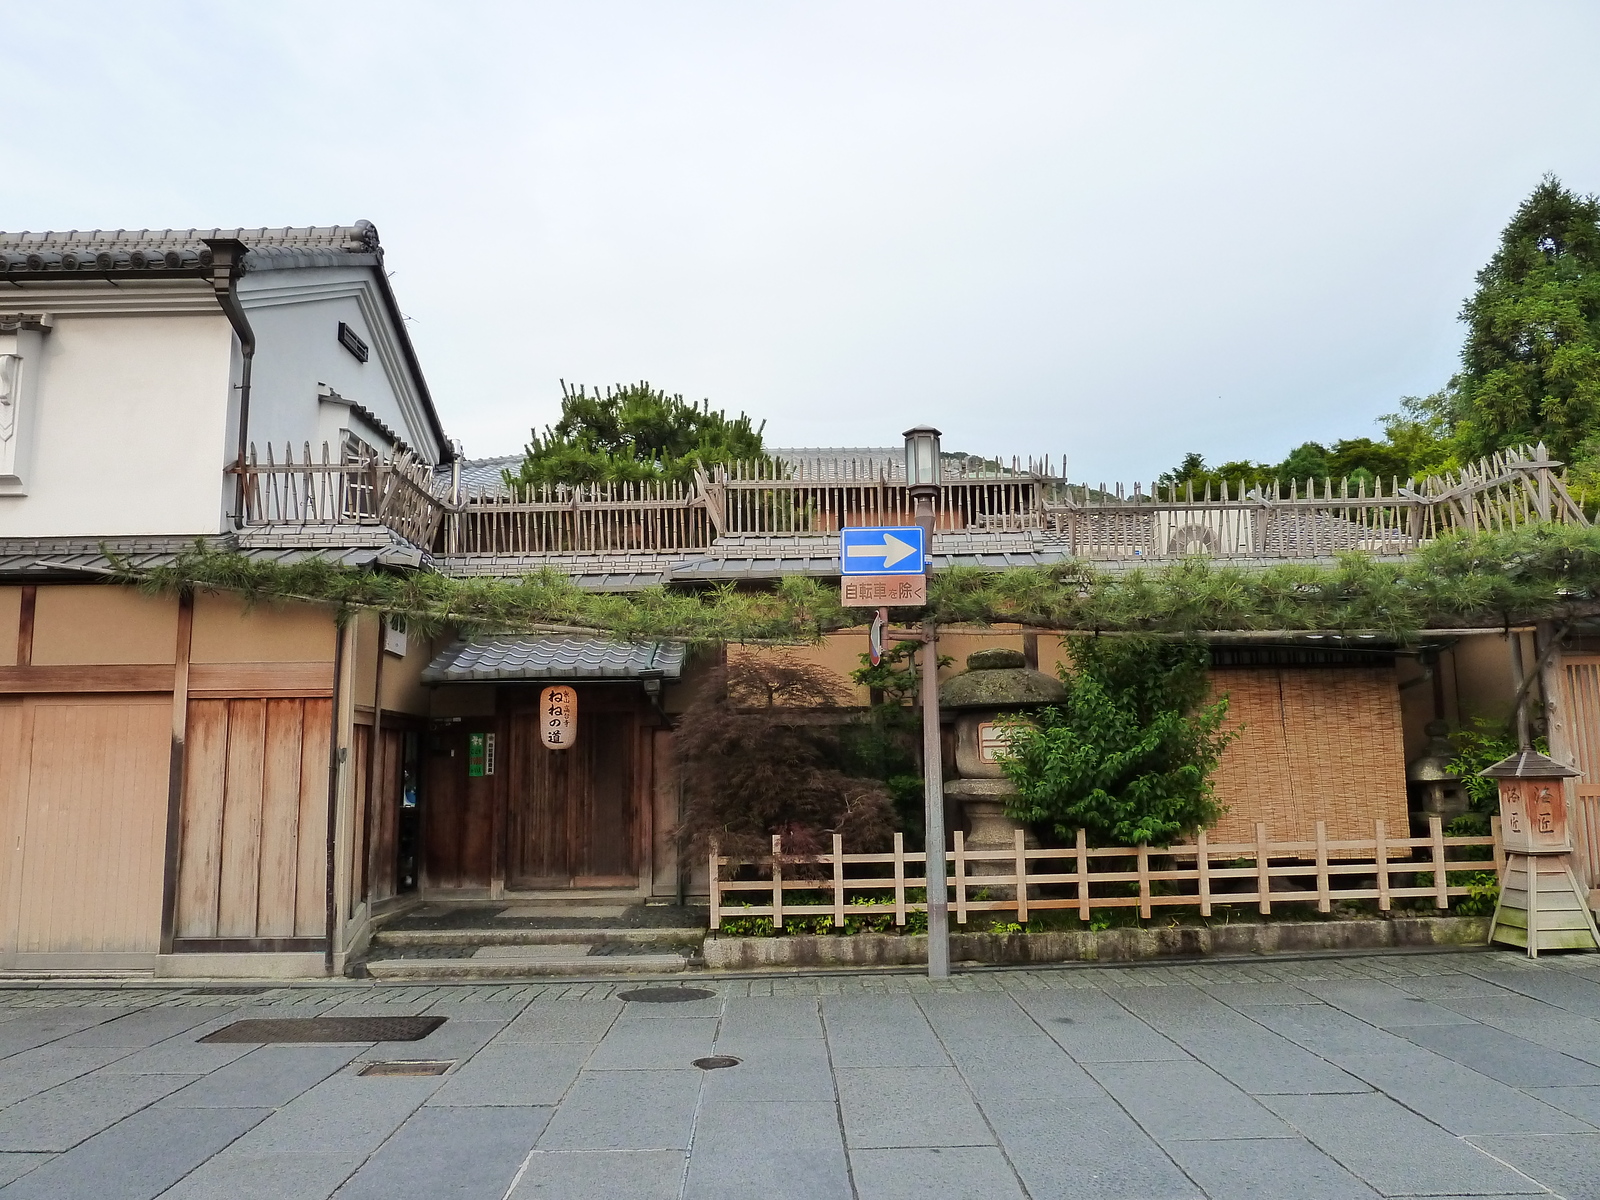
x,y
227,264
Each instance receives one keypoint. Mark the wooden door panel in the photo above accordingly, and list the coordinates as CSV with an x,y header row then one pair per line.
x,y
604,847
457,815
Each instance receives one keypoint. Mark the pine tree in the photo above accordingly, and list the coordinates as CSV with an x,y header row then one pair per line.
x,y
1530,368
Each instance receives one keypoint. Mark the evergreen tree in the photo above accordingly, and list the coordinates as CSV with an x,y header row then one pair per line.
x,y
1530,368
633,432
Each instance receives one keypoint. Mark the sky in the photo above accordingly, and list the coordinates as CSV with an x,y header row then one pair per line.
x,y
1114,231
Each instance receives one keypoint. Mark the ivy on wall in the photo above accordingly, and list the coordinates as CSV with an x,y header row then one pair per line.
x,y
1488,579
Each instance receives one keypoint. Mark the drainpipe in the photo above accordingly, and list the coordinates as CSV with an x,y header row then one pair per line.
x,y
227,264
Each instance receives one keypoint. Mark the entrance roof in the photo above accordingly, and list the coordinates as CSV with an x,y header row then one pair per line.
x,y
513,657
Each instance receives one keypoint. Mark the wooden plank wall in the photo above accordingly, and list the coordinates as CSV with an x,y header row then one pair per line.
x,y
252,857
87,788
383,824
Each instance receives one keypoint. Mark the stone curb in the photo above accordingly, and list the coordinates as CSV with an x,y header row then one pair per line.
x,y
1107,945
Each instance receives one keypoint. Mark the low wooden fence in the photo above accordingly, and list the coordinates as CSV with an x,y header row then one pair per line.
x,y
1197,875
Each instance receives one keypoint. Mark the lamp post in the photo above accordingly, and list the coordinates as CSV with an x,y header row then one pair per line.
x,y
922,484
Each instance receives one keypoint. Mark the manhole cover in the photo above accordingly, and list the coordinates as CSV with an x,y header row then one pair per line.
x,y
716,1062
328,1029
666,995
407,1068
228,990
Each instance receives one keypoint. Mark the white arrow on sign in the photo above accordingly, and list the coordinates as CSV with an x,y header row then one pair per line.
x,y
891,550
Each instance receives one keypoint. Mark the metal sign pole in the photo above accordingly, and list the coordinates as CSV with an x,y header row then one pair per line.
x,y
933,810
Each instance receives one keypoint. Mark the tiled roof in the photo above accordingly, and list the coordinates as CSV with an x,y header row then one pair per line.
x,y
29,559
553,657
479,475
60,252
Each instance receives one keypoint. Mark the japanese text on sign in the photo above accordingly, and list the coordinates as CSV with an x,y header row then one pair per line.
x,y
558,717
883,591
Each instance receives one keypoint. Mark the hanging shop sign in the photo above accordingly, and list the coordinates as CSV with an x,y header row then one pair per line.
x,y
480,755
558,717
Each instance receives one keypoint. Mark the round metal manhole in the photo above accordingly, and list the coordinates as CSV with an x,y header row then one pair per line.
x,y
716,1062
666,995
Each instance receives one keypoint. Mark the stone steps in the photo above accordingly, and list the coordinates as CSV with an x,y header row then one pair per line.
x,y
399,938
526,961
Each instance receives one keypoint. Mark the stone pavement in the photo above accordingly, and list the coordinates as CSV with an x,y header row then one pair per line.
x,y
1467,1074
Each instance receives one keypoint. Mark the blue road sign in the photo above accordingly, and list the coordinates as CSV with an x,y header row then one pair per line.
x,y
886,550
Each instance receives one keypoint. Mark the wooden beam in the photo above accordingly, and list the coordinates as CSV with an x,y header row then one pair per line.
x,y
30,598
175,775
113,678
267,680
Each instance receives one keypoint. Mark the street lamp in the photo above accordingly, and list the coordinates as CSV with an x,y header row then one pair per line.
x,y
922,484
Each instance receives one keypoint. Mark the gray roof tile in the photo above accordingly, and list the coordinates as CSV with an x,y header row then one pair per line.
x,y
512,657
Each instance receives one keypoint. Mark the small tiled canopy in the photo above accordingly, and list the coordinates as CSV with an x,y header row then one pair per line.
x,y
512,657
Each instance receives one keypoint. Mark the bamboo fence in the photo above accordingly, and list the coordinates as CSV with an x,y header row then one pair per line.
x,y
1198,875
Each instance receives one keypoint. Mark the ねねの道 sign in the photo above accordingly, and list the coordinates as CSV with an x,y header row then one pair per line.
x,y
558,717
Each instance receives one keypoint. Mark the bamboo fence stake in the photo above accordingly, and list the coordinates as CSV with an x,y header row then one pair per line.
x,y
899,878
1324,903
1263,878
1381,853
1202,866
1441,884
777,881
1022,877
961,877
1144,871
1083,875
838,881
716,890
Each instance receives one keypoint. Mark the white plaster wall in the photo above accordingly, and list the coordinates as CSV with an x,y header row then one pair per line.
x,y
295,315
131,434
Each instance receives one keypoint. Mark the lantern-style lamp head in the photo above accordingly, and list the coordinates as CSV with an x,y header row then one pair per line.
x,y
922,457
1533,805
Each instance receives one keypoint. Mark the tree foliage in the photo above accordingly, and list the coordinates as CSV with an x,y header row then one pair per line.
x,y
1128,756
754,762
633,432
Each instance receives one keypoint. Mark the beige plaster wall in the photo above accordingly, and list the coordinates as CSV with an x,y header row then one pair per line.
x,y
1484,686
94,624
227,631
402,677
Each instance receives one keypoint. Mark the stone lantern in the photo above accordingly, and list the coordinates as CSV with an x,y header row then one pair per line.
x,y
997,684
1440,791
1541,905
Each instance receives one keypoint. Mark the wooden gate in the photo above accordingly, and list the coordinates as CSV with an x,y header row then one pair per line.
x,y
573,814
1580,681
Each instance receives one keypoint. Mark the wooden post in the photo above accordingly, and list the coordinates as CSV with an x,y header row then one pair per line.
x,y
1022,877
175,773
777,881
961,877
1381,854
1499,850
1144,881
1441,885
1263,877
716,890
1324,901
1202,866
30,598
899,878
1083,876
838,881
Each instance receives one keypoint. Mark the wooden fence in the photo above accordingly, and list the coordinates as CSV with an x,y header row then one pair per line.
x,y
1242,519
1199,875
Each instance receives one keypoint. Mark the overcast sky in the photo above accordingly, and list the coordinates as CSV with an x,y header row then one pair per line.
x,y
1118,230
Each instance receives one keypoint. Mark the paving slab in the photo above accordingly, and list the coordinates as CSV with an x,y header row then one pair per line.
x,y
28,1030
1252,1170
1328,1032
1504,1056
602,1175
1395,1151
979,1017
38,1070
138,1158
562,1021
1569,1164
1033,1068
909,1106
457,1040
1093,1027
1581,1102
71,1112
1570,990
276,1176
737,1156
772,1069
1088,1151
626,1110
463,1153
180,1055
654,1045
880,1031
344,1114
517,1073
935,1173
1186,1101
1382,1004
16,1165
266,1077
1459,1099
772,1017
140,1029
